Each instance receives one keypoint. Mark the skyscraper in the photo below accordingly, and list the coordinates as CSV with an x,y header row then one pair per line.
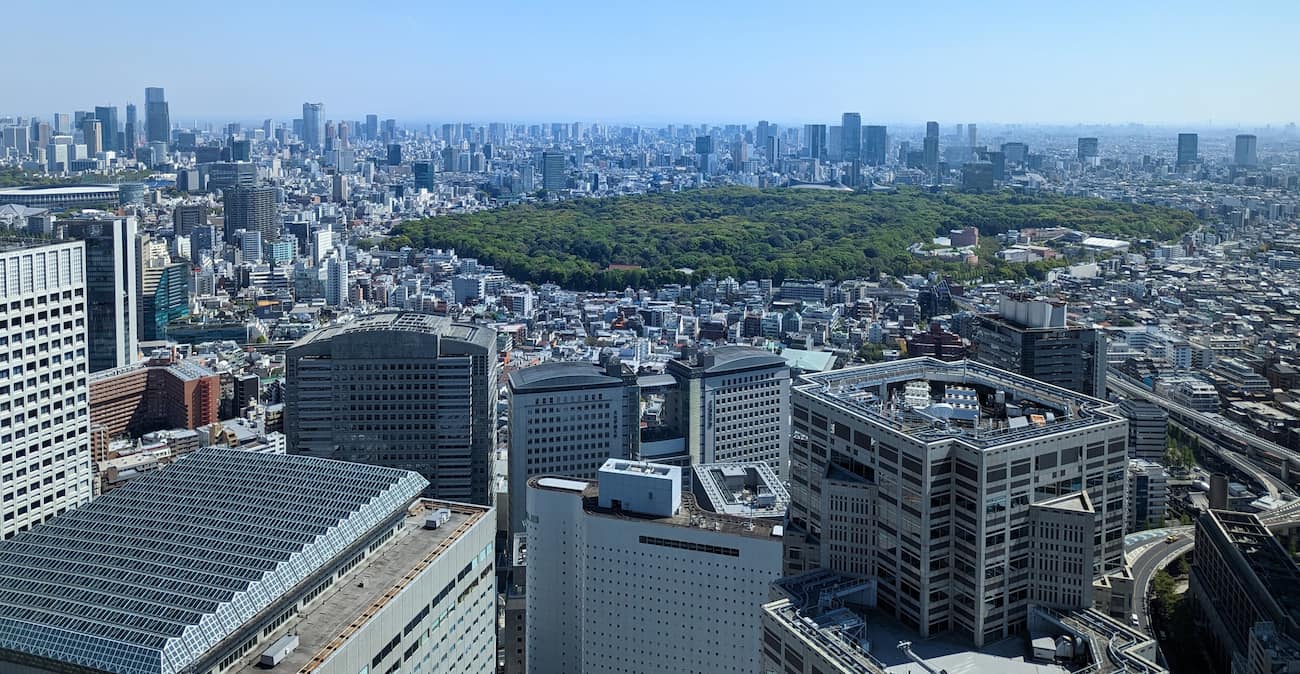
x,y
1029,336
313,125
875,146
394,154
972,135
251,209
1187,150
1088,149
340,398
92,131
164,290
423,174
1244,152
554,174
851,136
158,125
930,147
372,128
132,128
107,116
815,141
111,290
43,288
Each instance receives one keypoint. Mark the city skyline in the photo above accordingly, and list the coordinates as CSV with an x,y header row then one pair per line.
x,y
711,63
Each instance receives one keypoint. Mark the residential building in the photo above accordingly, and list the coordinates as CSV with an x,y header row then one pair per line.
x,y
555,173
252,209
1029,336
629,574
158,394
733,404
568,418
112,296
963,519
330,568
44,419
340,400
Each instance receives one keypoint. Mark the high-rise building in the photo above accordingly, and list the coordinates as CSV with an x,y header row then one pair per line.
x,y
317,546
1244,151
336,281
604,557
1015,153
555,175
1029,336
158,125
107,116
875,143
18,138
972,136
394,154
930,147
1148,494
966,491
423,173
43,299
773,149
164,289
814,136
1088,149
567,418
1187,155
92,131
372,128
186,217
252,209
62,123
339,400
111,291
241,150
762,133
129,137
851,136
313,125
1148,429
732,402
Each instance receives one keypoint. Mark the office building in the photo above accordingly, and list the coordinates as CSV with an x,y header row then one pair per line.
x,y
313,125
978,176
972,135
336,281
108,126
157,394
966,491
227,175
554,172
252,209
19,139
423,173
629,574
1244,153
129,137
372,128
44,421
1088,150
92,132
164,292
930,148
936,343
814,138
1148,494
851,136
330,568
158,125
875,145
567,418
1148,429
394,154
1015,154
733,404
186,217
1029,336
1242,578
340,401
112,296
1187,155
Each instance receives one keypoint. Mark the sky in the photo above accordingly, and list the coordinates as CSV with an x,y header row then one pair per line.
x,y
665,61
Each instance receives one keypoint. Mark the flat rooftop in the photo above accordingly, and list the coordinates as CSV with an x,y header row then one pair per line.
x,y
1265,556
741,489
873,393
350,602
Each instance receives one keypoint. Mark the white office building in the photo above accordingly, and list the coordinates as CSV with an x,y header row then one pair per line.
x,y
568,418
631,575
45,468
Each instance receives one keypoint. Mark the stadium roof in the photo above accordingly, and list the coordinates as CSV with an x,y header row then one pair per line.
x,y
148,578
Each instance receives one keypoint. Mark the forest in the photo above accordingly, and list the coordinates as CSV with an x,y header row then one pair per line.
x,y
647,240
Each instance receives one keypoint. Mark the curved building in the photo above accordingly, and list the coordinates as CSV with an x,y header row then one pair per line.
x,y
61,196
407,390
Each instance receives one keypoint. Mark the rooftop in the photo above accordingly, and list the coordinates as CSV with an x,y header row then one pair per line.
x,y
556,375
407,321
349,603
1033,409
125,586
740,489
1265,556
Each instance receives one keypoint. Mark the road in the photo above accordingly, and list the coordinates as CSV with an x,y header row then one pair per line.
x,y
1148,558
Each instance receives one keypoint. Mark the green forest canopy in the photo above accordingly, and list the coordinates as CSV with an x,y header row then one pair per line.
x,y
750,234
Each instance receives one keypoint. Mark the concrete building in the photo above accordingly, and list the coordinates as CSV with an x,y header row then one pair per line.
x,y
733,403
1242,578
407,390
132,400
1148,429
632,575
1029,336
963,519
329,569
1148,494
251,209
44,420
112,292
568,419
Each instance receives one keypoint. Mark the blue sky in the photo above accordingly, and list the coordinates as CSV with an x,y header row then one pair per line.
x,y
1188,62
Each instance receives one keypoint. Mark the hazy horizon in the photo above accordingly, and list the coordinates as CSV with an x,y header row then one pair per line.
x,y
1190,64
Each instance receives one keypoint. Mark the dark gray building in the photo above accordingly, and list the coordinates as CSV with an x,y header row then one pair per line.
x,y
406,390
111,290
251,209
875,141
1148,426
1029,336
851,136
158,125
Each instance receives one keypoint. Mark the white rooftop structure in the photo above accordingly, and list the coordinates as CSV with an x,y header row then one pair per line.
x,y
640,487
